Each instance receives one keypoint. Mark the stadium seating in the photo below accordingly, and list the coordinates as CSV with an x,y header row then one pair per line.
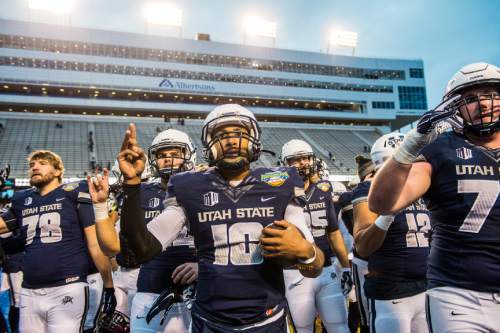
x,y
69,136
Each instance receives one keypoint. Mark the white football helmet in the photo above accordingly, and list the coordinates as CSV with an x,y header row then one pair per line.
x,y
172,138
230,114
384,147
472,76
298,148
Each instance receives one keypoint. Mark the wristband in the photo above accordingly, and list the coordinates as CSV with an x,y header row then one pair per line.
x,y
100,211
310,260
384,222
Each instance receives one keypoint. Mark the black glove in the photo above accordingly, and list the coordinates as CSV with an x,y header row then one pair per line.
x,y
108,301
430,119
346,281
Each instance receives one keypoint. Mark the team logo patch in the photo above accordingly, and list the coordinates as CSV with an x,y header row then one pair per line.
x,y
28,201
70,187
276,178
67,299
464,153
211,198
154,202
324,186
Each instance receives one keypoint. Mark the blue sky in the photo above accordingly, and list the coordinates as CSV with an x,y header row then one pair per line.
x,y
445,34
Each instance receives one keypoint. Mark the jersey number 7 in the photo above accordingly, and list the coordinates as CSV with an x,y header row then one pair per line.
x,y
487,194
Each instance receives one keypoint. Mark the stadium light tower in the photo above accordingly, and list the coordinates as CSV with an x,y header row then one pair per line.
x,y
343,38
54,6
50,9
255,26
164,14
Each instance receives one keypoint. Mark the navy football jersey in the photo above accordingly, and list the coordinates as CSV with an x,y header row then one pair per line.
x,y
321,217
56,251
465,214
155,275
345,208
235,284
405,249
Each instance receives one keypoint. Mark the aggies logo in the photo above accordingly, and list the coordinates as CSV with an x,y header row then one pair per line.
x,y
464,153
211,198
154,202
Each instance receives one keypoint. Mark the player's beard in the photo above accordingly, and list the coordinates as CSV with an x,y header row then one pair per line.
x,y
42,180
240,163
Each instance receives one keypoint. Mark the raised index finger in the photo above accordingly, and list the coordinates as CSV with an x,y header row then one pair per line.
x,y
126,140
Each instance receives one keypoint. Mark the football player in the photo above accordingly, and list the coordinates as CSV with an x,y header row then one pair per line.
x,y
246,224
127,272
324,295
59,225
397,247
171,152
457,172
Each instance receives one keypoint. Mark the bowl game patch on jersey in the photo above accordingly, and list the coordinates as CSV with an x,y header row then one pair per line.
x,y
276,178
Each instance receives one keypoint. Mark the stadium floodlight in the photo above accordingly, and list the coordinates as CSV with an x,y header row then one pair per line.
x,y
53,6
255,26
163,13
344,38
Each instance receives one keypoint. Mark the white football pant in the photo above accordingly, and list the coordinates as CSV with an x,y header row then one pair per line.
x,y
359,270
95,291
400,315
322,295
177,320
125,284
54,310
451,310
15,281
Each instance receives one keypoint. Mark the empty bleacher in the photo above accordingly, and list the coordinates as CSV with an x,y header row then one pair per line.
x,y
22,134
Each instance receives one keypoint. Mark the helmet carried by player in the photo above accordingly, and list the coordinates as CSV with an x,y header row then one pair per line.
x,y
384,147
171,139
114,323
294,149
486,106
230,115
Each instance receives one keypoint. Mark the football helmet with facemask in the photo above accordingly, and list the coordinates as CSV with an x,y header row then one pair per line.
x,y
171,139
116,322
384,147
476,75
297,149
212,139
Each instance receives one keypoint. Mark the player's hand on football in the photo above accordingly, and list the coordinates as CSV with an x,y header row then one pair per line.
x,y
108,301
131,159
99,186
186,273
283,239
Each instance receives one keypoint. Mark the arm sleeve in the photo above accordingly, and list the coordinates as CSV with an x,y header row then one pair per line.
x,y
294,214
136,242
167,226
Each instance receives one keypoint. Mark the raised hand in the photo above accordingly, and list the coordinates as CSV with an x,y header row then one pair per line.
x,y
440,113
99,187
131,158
